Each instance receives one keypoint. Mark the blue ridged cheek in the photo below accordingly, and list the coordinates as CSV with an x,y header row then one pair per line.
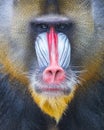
x,y
64,50
41,47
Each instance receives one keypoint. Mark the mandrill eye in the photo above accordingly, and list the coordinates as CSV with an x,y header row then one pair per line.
x,y
61,27
39,27
64,27
42,27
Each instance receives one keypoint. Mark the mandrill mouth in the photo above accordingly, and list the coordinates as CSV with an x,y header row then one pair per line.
x,y
52,91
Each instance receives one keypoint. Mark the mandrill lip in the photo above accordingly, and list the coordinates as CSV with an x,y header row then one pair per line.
x,y
54,90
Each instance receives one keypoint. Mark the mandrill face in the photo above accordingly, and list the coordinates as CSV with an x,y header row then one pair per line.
x,y
53,75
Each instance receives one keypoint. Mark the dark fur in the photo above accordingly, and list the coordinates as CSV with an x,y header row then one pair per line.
x,y
17,110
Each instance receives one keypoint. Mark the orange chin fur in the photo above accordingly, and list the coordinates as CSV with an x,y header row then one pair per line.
x,y
53,106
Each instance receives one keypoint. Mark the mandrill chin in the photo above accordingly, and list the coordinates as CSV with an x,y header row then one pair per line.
x,y
51,65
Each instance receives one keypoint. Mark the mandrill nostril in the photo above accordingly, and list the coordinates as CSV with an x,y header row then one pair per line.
x,y
49,72
53,75
57,72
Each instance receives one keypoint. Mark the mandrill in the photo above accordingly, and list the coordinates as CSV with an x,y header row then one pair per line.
x,y
51,64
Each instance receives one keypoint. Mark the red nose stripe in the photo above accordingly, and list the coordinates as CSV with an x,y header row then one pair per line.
x,y
53,46
53,74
